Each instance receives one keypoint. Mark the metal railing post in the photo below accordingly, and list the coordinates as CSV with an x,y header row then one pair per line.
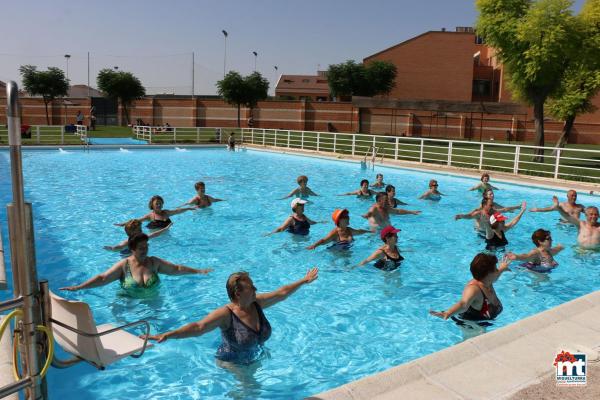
x,y
275,141
20,227
396,149
481,156
449,153
302,140
373,141
263,133
37,134
198,135
516,163
288,141
174,135
557,163
318,140
334,141
421,150
242,135
353,143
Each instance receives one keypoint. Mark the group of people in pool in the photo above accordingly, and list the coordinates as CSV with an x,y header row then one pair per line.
x,y
243,324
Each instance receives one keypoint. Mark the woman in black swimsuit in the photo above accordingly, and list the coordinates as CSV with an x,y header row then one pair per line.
x,y
158,217
297,223
479,301
496,228
388,256
244,327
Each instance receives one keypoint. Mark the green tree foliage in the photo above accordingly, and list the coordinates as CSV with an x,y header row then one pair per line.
x,y
582,78
121,85
48,84
248,91
351,79
535,42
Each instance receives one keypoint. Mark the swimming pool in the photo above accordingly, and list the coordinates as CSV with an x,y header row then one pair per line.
x,y
116,140
346,325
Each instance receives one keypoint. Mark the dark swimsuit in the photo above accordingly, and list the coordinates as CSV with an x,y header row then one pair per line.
x,y
241,343
197,202
388,263
488,310
298,226
158,223
496,242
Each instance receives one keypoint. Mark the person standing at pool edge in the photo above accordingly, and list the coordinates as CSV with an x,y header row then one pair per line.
x,y
231,142
244,326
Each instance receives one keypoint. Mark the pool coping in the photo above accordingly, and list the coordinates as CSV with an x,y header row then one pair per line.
x,y
495,365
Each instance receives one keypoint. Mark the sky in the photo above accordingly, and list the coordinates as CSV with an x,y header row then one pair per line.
x,y
155,39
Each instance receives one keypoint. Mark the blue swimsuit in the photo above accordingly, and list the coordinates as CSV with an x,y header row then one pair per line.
x,y
241,343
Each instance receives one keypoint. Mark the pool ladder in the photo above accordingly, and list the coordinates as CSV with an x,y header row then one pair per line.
x,y
364,164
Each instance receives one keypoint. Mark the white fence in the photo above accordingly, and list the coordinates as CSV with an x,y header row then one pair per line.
x,y
81,131
46,134
568,163
161,134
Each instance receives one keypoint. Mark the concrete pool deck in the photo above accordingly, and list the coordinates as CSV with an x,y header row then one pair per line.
x,y
504,364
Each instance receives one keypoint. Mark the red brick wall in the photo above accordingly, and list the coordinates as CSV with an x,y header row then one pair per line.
x,y
435,65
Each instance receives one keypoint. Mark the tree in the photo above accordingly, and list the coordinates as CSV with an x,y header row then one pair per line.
x,y
48,84
247,91
351,79
120,85
582,78
535,42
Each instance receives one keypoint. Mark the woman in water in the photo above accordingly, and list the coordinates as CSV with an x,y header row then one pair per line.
x,y
388,256
379,184
158,217
540,259
432,193
297,223
132,228
342,233
485,183
138,271
244,326
363,192
302,191
495,230
479,301
201,199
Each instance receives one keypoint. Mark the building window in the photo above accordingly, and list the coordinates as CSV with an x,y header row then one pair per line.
x,y
305,80
288,80
482,87
478,39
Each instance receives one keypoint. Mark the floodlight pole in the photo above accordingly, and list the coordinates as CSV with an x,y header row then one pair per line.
x,y
255,57
67,57
225,34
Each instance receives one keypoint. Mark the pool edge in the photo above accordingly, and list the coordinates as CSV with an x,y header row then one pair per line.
x,y
495,365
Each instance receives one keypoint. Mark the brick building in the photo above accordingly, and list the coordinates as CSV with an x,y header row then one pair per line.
x,y
303,87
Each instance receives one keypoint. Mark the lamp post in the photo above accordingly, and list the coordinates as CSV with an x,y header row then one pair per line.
x,y
275,86
255,57
67,56
116,67
225,34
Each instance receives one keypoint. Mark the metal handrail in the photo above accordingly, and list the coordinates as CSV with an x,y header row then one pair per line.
x,y
3,285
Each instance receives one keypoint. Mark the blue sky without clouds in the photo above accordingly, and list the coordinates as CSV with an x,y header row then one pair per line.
x,y
154,39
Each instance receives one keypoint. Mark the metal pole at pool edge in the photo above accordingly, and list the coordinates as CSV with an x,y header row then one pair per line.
x,y
20,226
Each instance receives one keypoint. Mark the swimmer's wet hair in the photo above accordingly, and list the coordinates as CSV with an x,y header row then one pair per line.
x,y
432,181
484,175
132,227
364,181
539,236
389,188
156,197
233,283
482,265
302,178
198,184
134,241
379,175
485,192
380,195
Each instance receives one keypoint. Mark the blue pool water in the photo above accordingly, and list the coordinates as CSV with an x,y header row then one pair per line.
x,y
348,324
116,140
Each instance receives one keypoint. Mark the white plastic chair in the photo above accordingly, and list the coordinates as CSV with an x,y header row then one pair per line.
x,y
76,332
